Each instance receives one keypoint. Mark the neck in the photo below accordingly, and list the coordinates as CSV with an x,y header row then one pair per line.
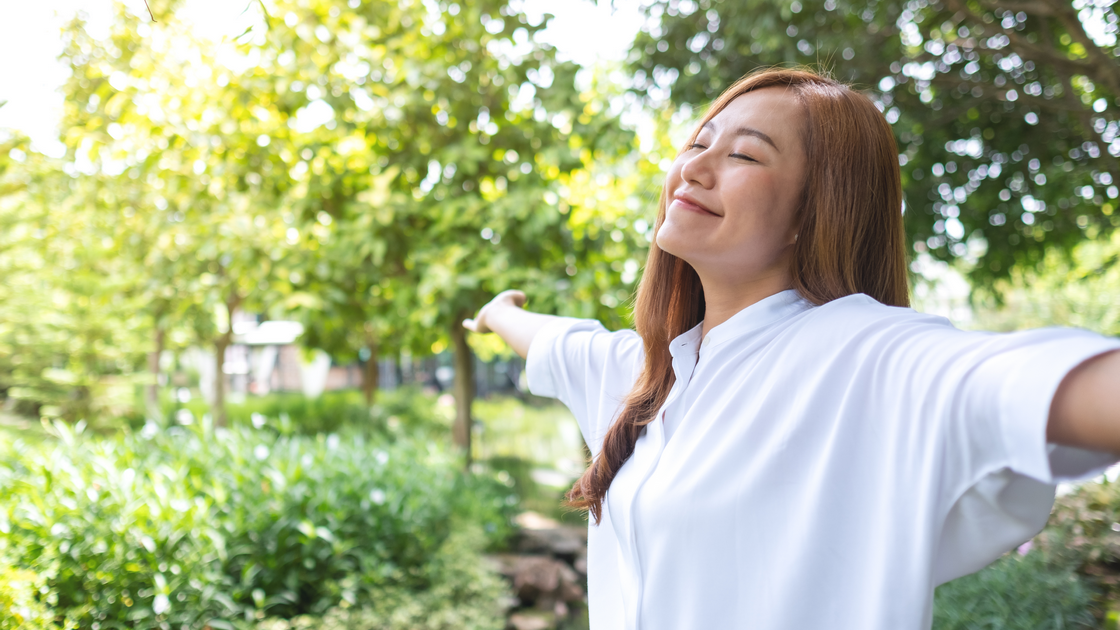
x,y
724,297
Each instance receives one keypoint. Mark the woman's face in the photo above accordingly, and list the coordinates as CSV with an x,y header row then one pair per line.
x,y
733,193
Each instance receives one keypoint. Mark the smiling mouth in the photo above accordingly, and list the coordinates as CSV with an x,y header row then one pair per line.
x,y
687,204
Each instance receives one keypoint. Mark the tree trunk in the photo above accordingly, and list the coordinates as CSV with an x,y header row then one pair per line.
x,y
223,342
153,367
372,373
463,388
220,346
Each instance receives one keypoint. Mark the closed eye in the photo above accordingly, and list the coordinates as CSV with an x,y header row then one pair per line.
x,y
738,156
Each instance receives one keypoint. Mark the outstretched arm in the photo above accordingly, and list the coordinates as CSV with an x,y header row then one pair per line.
x,y
515,325
1085,412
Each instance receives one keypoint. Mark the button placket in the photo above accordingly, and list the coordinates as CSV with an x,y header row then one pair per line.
x,y
657,433
683,372
637,470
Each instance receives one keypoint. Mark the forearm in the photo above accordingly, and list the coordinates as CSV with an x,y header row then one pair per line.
x,y
517,326
1086,409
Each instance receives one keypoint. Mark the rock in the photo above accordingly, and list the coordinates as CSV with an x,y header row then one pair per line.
x,y
548,572
561,540
541,580
580,564
532,620
532,520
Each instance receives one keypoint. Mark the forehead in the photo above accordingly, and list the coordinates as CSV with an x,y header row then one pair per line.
x,y
774,111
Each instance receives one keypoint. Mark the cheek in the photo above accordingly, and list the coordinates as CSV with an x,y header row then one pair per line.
x,y
673,177
768,200
763,220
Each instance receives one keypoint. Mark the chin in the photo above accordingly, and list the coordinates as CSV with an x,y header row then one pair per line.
x,y
672,242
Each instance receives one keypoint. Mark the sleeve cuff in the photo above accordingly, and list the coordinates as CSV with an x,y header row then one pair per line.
x,y
538,367
1028,388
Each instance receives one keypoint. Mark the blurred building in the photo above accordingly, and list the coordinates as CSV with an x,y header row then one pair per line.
x,y
265,357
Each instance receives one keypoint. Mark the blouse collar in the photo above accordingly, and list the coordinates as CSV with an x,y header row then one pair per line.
x,y
757,316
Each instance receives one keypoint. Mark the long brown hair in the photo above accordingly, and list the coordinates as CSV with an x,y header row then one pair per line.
x,y
850,240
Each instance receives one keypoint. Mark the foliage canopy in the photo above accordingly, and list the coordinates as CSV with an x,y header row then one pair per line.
x,y
1005,112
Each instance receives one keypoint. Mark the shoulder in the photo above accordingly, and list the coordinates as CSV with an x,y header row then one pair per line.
x,y
569,354
859,326
862,311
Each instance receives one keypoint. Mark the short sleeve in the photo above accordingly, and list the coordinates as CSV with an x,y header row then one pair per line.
x,y
1002,471
1012,388
588,368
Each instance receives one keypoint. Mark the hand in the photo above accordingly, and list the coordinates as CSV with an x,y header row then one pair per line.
x,y
510,298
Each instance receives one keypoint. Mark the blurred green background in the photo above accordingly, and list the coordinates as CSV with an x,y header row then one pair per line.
x,y
234,391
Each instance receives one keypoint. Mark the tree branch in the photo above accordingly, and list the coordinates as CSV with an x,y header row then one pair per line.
x,y
999,94
1103,67
1037,7
1099,66
1048,55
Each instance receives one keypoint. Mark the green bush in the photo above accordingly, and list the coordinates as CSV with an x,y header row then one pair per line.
x,y
21,605
404,410
199,526
332,411
465,594
1015,593
1084,532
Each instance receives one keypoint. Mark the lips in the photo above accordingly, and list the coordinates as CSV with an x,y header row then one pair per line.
x,y
687,202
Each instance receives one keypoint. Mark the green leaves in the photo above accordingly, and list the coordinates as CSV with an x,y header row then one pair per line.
x,y
189,527
1015,592
68,336
378,172
1008,133
20,606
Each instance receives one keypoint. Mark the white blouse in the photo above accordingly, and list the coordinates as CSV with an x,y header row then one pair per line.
x,y
814,464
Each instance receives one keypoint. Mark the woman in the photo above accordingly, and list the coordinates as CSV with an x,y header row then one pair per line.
x,y
782,444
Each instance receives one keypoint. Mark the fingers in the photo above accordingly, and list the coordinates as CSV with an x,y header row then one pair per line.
x,y
510,296
513,296
473,326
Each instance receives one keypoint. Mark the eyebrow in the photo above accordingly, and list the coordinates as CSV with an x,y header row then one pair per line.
x,y
748,131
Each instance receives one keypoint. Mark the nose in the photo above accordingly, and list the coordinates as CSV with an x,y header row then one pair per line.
x,y
697,168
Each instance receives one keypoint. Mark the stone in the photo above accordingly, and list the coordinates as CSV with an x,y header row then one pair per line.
x,y
541,579
561,541
532,520
532,620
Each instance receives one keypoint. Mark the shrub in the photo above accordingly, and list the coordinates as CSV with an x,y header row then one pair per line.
x,y
1084,532
331,411
404,410
464,595
1015,593
20,605
198,526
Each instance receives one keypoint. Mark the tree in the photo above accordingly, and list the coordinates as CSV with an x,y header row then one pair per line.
x,y
1005,110
1079,291
466,129
354,301
68,346
186,153
381,170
